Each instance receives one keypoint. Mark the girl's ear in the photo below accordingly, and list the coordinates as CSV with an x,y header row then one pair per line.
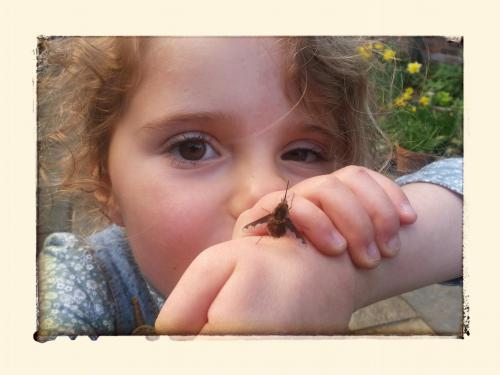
x,y
109,205
113,211
106,198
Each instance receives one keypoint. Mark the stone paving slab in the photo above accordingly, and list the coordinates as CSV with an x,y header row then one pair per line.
x,y
440,306
383,312
433,310
409,327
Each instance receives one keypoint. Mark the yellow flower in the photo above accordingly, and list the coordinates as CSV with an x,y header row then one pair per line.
x,y
400,101
424,100
389,54
378,46
413,67
413,108
408,93
365,51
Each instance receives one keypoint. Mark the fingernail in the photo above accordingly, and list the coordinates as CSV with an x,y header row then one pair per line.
x,y
407,208
393,245
338,241
372,251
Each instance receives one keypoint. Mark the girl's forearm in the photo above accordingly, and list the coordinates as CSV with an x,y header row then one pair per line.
x,y
431,248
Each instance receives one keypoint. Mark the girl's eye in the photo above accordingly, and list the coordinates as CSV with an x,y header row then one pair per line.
x,y
303,155
191,148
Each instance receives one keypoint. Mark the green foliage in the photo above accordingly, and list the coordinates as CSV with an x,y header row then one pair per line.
x,y
447,78
426,130
443,98
422,105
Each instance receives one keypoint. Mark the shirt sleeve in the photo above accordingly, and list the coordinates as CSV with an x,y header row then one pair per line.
x,y
73,295
447,173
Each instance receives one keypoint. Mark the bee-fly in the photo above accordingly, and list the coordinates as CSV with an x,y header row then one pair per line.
x,y
278,221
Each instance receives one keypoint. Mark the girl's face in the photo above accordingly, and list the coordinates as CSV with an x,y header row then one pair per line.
x,y
207,133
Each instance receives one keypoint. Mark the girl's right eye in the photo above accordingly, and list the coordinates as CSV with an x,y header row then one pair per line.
x,y
188,150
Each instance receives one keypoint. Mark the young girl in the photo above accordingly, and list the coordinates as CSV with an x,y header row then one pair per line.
x,y
182,142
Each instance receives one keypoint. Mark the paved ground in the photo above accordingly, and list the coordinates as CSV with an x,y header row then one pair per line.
x,y
433,310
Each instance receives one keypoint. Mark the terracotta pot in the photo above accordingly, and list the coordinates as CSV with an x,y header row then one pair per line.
x,y
409,161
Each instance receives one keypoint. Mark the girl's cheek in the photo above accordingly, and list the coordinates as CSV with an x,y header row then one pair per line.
x,y
188,227
164,255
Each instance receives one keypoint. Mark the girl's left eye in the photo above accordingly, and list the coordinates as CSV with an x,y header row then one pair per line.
x,y
304,155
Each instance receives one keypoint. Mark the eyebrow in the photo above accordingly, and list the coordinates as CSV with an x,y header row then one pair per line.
x,y
186,118
322,129
218,117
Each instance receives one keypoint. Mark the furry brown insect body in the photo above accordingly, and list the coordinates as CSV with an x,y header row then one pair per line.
x,y
276,225
278,221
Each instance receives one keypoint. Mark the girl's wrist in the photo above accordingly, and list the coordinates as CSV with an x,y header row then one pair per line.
x,y
431,249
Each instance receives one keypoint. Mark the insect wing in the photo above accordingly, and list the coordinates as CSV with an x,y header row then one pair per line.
x,y
292,228
262,220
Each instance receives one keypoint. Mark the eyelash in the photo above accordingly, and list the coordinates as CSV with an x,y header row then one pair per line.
x,y
173,144
318,154
178,161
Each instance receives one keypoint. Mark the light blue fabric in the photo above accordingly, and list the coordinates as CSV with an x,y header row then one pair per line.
x,y
85,286
124,279
447,173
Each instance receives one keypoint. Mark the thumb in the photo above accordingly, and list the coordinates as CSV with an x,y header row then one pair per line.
x,y
185,311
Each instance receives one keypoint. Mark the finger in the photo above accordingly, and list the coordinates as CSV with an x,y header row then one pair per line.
x,y
380,208
186,310
317,227
347,213
307,218
407,214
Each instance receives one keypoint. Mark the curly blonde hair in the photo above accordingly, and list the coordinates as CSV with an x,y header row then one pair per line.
x,y
84,83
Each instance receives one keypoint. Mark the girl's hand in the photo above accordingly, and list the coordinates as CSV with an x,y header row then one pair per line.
x,y
266,286
278,285
354,208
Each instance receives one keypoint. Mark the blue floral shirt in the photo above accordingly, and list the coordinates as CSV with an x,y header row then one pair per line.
x,y
86,285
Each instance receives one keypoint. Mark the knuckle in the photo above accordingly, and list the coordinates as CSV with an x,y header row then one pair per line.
x,y
359,172
353,170
209,258
329,182
202,263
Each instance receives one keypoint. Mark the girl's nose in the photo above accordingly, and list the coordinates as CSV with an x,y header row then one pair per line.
x,y
252,185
